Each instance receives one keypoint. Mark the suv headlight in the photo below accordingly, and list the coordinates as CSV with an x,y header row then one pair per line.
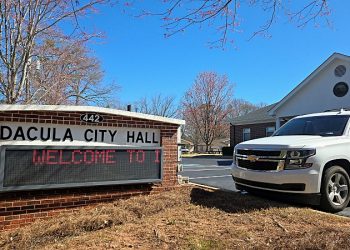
x,y
296,159
234,157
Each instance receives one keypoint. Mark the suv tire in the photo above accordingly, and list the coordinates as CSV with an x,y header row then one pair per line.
x,y
335,189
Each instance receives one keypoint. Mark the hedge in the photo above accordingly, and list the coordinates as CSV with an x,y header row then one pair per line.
x,y
227,151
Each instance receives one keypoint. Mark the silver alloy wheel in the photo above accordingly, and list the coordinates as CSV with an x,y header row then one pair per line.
x,y
337,189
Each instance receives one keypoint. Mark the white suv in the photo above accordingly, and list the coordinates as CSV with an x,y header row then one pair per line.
x,y
308,157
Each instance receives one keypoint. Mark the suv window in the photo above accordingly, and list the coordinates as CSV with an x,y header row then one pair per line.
x,y
330,125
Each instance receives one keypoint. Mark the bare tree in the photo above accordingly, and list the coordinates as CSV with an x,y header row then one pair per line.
x,y
239,107
85,86
23,26
158,105
206,106
49,73
190,131
224,15
65,72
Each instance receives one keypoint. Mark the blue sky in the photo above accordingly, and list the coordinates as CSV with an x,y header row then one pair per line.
x,y
135,54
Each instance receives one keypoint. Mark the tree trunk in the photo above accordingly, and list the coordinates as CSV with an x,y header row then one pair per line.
x,y
207,148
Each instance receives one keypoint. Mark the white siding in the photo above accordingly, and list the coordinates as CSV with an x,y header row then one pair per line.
x,y
317,95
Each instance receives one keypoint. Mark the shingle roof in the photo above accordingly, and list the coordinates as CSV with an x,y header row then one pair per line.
x,y
258,116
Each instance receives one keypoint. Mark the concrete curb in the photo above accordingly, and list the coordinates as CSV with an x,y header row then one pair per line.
x,y
207,156
210,187
330,214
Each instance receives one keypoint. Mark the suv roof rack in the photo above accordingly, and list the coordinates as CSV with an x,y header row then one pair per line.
x,y
340,110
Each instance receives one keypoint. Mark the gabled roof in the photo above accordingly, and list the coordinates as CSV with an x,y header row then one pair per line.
x,y
16,107
258,116
330,59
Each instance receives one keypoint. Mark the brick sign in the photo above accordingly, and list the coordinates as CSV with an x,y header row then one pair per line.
x,y
39,156
54,159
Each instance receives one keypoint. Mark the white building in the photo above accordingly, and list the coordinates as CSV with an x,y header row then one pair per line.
x,y
326,88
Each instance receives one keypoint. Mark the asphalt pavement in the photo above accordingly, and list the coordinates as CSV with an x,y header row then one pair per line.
x,y
214,171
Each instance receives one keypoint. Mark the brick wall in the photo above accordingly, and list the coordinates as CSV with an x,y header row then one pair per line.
x,y
256,131
23,207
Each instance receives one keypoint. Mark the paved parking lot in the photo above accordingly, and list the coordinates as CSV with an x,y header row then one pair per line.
x,y
209,171
215,172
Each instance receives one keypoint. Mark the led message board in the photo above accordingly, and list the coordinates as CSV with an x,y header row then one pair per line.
x,y
35,167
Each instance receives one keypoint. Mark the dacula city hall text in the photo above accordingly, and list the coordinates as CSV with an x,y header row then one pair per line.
x,y
90,135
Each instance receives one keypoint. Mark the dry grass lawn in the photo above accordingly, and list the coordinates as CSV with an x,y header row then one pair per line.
x,y
187,218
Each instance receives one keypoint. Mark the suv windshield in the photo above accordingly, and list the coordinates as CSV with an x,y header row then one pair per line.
x,y
331,125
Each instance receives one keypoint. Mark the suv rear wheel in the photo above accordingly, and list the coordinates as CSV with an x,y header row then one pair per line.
x,y
335,193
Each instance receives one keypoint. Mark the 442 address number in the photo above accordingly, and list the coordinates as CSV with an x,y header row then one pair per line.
x,y
91,118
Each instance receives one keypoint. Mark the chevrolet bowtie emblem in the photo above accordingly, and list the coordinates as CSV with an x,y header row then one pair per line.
x,y
252,158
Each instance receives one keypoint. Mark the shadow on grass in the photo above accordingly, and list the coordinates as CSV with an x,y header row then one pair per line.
x,y
232,202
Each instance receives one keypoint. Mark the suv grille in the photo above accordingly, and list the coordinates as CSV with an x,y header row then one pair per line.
x,y
258,165
258,152
260,160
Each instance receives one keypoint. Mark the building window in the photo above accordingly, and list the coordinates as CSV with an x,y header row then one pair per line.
x,y
340,89
270,131
246,134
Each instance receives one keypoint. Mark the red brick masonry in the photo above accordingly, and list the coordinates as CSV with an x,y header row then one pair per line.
x,y
22,207
257,130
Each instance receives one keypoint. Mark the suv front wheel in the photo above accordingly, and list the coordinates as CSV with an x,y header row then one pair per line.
x,y
335,194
